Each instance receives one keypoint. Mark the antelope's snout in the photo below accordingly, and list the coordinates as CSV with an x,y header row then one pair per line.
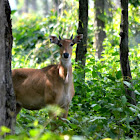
x,y
66,55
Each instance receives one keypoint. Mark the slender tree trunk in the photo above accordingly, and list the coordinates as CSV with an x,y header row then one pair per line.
x,y
81,49
7,97
17,2
56,3
100,25
34,5
26,6
125,67
45,7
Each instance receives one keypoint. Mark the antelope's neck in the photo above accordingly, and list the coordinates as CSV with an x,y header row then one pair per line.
x,y
65,72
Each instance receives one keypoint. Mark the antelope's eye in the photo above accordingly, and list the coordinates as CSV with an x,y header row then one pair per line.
x,y
60,45
71,44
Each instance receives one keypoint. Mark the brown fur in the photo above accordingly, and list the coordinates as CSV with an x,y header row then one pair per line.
x,y
36,88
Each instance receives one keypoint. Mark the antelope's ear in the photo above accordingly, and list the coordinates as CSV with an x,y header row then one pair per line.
x,y
78,38
53,39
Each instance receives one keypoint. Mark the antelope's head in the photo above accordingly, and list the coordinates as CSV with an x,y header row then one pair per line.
x,y
66,47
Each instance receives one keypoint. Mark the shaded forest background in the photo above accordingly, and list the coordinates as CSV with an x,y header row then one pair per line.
x,y
100,107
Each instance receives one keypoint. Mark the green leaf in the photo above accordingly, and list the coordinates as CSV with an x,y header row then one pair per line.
x,y
124,100
132,109
128,84
94,74
119,74
138,116
95,107
74,126
13,11
136,92
115,53
5,129
119,109
87,70
97,118
111,78
34,132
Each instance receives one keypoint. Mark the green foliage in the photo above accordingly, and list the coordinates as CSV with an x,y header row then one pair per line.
x,y
32,45
135,2
134,26
102,105
99,108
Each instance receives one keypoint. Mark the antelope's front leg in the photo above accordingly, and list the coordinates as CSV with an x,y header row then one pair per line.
x,y
65,113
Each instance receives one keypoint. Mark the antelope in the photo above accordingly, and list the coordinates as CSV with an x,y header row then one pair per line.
x,y
51,85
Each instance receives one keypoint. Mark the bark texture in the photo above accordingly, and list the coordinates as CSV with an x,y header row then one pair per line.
x,y
7,98
125,67
100,25
81,49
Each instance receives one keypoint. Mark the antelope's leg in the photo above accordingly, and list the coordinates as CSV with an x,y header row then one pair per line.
x,y
65,114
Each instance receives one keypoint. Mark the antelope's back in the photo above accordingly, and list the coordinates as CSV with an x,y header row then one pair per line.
x,y
29,87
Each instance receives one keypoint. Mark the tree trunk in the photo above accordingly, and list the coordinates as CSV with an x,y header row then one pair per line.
x,y
124,52
45,7
34,5
100,25
7,97
81,49
56,3
17,2
26,6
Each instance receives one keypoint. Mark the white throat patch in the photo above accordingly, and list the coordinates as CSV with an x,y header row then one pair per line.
x,y
66,62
